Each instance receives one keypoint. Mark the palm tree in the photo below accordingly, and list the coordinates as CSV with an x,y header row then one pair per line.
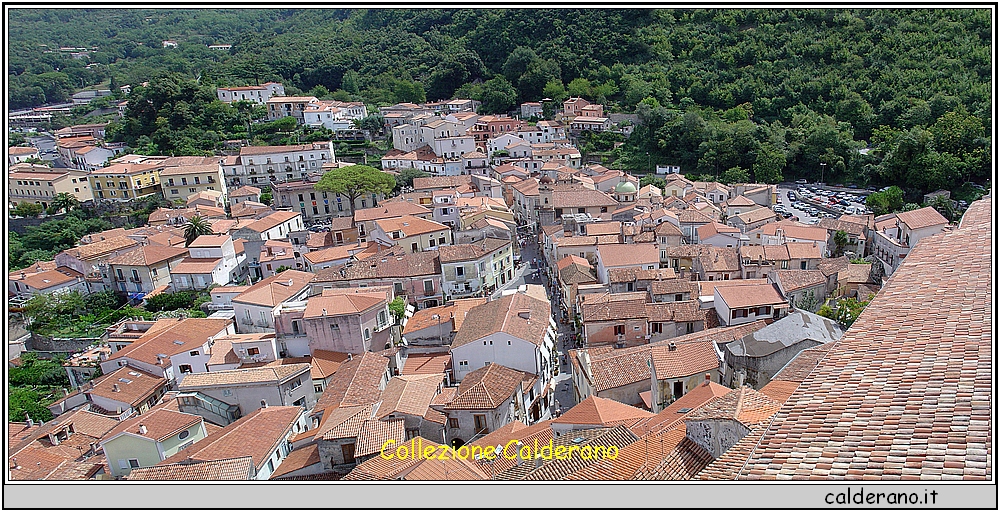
x,y
194,228
65,201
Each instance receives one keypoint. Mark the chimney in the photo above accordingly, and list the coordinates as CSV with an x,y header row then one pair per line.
x,y
31,423
114,388
519,459
289,282
350,356
142,429
538,461
672,347
324,311
263,404
93,448
708,379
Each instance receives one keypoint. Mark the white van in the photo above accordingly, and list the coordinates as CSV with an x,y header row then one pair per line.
x,y
851,210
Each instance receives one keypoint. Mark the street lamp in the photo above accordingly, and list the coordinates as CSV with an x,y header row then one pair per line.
x,y
822,170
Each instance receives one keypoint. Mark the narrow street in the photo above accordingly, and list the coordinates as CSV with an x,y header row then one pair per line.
x,y
532,272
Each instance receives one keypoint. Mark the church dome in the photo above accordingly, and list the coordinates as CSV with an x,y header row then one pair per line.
x,y
625,187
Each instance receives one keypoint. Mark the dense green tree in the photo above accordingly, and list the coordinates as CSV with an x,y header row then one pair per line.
x,y
26,209
886,201
195,227
405,177
24,401
735,175
353,181
65,201
498,96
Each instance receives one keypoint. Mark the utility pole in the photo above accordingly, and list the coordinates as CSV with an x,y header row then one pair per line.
x,y
822,171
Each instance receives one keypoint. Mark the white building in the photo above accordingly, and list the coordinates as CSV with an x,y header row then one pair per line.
x,y
256,94
516,331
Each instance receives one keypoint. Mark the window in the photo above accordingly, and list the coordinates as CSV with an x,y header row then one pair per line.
x,y
133,463
619,330
368,334
690,327
253,351
185,368
802,264
432,244
227,392
297,383
270,466
318,388
194,353
480,422
184,434
335,327
441,241
428,287
453,422
656,328
463,363
678,296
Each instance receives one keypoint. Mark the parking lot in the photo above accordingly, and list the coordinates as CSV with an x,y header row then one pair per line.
x,y
810,202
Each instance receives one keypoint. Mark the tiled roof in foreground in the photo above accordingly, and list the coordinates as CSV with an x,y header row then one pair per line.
x,y
906,392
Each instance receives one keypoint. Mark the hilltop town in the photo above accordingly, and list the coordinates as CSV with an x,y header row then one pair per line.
x,y
509,294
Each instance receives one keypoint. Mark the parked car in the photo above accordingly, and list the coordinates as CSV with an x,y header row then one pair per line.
x,y
801,182
791,196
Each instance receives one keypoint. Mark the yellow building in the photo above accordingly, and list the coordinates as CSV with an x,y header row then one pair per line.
x,y
39,184
125,181
178,183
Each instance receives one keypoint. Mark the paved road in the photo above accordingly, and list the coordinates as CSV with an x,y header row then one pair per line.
x,y
47,149
564,397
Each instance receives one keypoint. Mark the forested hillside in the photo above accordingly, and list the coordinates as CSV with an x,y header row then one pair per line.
x,y
774,93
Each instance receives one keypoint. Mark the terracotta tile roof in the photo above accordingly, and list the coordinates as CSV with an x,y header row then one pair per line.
x,y
746,405
631,274
597,411
842,224
803,250
617,255
712,229
578,196
830,266
134,386
453,469
470,252
356,303
486,388
613,368
557,469
434,182
604,228
50,278
245,190
38,462
297,459
148,255
719,259
513,431
926,312
409,225
794,230
272,220
164,336
197,266
612,306
728,466
160,425
672,286
422,364
506,315
577,273
583,241
707,288
276,289
638,456
748,296
691,216
103,247
922,218
356,382
757,215
799,368
374,433
454,313
687,359
671,415
245,376
779,390
740,200
389,210
344,422
394,263
792,280
409,394
257,435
